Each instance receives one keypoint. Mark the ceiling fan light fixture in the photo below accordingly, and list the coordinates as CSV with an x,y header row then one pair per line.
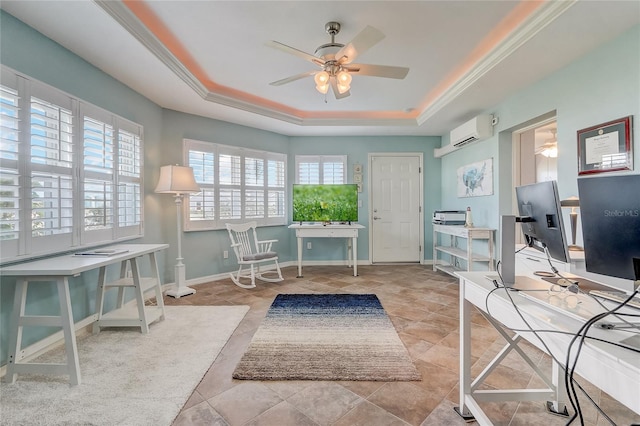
x,y
344,78
321,78
551,151
322,88
344,81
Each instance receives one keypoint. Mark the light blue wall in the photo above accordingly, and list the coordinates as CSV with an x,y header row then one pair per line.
x,y
357,149
29,52
202,250
603,85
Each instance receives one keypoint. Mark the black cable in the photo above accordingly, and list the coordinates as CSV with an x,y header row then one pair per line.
x,y
576,404
582,333
569,373
570,381
595,404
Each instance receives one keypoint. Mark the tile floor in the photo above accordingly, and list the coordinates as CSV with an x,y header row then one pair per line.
x,y
423,306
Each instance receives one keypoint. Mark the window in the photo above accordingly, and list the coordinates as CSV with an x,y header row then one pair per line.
x,y
321,169
236,185
70,172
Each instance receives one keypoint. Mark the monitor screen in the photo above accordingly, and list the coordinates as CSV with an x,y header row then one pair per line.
x,y
541,217
325,203
610,214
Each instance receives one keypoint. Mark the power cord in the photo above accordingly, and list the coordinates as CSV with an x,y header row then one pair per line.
x,y
573,287
570,382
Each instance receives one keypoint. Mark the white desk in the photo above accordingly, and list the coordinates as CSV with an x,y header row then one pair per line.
x,y
329,231
614,370
57,270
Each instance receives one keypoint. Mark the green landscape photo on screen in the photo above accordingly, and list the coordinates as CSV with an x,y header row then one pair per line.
x,y
325,203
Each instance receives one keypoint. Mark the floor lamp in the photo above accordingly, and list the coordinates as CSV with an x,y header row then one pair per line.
x,y
178,180
573,202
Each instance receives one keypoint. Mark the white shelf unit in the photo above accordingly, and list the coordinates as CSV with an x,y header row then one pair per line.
x,y
456,242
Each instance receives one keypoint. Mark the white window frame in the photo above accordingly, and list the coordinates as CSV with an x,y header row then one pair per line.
x,y
23,243
208,178
322,161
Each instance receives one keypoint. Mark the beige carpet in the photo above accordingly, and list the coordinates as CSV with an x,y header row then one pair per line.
x,y
128,378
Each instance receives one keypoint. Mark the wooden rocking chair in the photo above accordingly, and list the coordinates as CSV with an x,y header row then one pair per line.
x,y
250,251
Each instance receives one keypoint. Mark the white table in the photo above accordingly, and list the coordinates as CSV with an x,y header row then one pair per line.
x,y
329,231
613,369
57,270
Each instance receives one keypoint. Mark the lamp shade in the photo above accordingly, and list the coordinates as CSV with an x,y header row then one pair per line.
x,y
176,180
572,201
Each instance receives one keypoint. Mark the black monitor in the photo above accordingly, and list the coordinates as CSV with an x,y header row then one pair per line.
x,y
541,219
610,213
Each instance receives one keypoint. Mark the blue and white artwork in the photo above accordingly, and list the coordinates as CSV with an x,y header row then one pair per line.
x,y
476,179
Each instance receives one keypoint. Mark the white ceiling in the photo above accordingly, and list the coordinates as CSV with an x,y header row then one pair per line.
x,y
209,57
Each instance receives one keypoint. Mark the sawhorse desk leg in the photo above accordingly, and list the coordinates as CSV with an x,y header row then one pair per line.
x,y
121,316
65,320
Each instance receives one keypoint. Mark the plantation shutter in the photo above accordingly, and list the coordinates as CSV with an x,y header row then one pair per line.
x,y
254,192
236,184
276,189
98,178
70,172
321,169
230,186
129,184
202,206
51,170
10,128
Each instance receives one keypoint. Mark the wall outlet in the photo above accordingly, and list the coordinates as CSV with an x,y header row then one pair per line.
x,y
308,246
225,254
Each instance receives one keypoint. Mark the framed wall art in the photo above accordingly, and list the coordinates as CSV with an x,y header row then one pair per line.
x,y
606,147
476,179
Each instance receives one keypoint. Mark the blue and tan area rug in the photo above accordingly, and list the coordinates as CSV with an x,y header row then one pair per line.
x,y
326,337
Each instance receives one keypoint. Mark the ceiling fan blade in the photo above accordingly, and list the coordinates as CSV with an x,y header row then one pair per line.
x,y
336,92
296,52
362,42
378,70
292,78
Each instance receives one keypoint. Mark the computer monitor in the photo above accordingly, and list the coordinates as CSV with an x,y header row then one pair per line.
x,y
610,214
541,219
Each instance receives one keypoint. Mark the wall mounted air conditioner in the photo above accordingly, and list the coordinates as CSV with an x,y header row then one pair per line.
x,y
473,130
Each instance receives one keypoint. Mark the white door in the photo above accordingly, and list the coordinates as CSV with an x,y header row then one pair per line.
x,y
396,201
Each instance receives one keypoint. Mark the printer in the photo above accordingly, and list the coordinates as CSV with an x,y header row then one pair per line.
x,y
449,217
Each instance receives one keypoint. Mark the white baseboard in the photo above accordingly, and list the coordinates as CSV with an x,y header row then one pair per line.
x,y
224,275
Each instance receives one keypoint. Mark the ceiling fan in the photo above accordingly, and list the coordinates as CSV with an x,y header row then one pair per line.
x,y
550,146
335,61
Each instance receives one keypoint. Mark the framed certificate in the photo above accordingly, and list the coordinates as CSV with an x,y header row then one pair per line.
x,y
606,147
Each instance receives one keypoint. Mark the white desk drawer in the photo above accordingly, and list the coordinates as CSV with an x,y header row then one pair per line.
x,y
326,233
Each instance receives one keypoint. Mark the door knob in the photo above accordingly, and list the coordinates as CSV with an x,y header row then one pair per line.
x,y
376,218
